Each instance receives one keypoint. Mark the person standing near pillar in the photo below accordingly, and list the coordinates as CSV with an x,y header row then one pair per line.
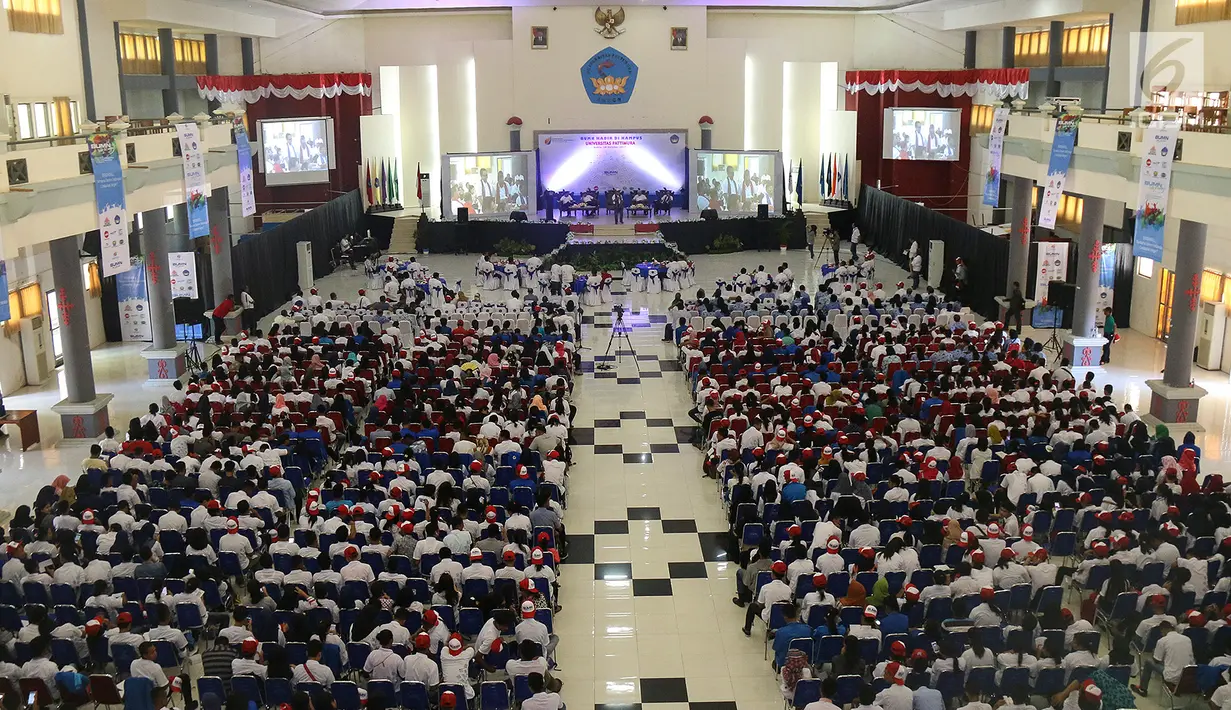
x,y
249,306
1017,304
1109,332
916,270
854,242
812,241
220,313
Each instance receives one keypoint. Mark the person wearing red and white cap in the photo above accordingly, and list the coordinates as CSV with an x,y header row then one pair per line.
x,y
819,596
455,657
1009,571
992,542
896,696
867,629
477,569
1043,572
248,662
776,590
237,543
1157,606
1096,557
1026,545
1172,654
531,629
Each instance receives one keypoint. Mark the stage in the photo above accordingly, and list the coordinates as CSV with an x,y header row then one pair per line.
x,y
690,235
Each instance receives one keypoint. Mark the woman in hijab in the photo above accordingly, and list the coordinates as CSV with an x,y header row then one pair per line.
x,y
1164,445
1190,444
856,596
1188,464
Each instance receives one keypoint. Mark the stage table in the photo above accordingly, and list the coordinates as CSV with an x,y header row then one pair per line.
x,y
26,421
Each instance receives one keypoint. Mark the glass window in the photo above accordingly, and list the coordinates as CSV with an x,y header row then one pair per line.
x,y
41,128
1211,286
1145,267
25,122
170,212
75,110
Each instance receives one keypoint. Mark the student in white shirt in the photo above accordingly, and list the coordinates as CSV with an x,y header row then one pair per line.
x,y
1172,653
541,699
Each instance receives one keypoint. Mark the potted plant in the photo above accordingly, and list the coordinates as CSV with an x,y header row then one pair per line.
x,y
514,124
783,238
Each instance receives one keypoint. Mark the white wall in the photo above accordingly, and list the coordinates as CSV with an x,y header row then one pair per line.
x,y
987,48
58,72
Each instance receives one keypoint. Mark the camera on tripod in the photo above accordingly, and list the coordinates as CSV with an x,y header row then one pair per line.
x,y
617,309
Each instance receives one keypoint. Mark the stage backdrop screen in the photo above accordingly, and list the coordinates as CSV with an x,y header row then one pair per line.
x,y
296,151
737,182
922,134
649,160
489,184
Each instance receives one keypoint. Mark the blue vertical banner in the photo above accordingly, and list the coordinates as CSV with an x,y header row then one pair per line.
x,y
133,302
194,178
1062,144
1153,188
112,206
243,154
995,150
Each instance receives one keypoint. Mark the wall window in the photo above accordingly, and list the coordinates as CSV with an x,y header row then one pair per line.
x,y
25,121
981,116
37,16
1030,49
1211,285
1189,12
142,54
1145,267
1086,45
42,125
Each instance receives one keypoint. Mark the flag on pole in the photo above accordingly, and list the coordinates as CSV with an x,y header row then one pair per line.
x,y
846,176
799,185
368,171
418,182
384,182
397,183
836,175
376,185
820,176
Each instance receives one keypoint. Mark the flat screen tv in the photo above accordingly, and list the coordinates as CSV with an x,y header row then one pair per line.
x,y
922,134
296,151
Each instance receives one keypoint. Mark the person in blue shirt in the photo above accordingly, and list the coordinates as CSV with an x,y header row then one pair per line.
x,y
793,490
791,630
894,621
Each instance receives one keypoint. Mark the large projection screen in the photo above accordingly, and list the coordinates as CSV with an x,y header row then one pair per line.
x,y
490,185
921,134
296,151
625,160
735,182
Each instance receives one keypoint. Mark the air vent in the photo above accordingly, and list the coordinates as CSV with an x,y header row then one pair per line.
x,y
130,153
1124,141
19,172
84,166
175,147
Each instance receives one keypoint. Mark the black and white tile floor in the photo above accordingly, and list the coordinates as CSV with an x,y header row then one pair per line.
x,y
648,619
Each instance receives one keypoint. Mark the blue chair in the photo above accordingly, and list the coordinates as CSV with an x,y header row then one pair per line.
x,y
1050,599
345,695
807,690
1120,673
249,688
521,688
64,652
413,695
383,691
951,684
357,655
211,684
138,694
494,695
847,691
983,678
827,648
1064,544
123,655
277,691
1015,679
470,621
1050,681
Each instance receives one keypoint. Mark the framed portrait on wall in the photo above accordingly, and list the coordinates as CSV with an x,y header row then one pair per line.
x,y
538,37
679,38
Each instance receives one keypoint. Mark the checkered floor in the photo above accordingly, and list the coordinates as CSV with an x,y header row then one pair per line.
x,y
648,618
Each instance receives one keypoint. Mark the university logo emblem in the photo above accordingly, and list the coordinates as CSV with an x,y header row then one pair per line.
x,y
609,77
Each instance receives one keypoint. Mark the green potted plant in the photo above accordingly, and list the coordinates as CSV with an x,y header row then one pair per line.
x,y
783,237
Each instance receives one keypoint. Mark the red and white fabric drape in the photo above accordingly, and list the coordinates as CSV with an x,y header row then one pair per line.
x,y
250,89
1000,83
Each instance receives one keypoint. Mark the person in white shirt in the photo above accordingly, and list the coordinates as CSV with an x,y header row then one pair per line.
x,y
418,666
541,699
382,663
897,696
1172,654
455,660
234,542
247,663
146,666
773,592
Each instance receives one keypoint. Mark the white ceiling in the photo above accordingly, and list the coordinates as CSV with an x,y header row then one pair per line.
x,y
333,8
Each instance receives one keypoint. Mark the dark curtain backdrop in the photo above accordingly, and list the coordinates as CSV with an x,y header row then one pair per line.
x,y
268,263
380,228
696,236
482,236
1122,299
889,223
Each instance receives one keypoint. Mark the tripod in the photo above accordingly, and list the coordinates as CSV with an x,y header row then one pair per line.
x,y
619,332
193,356
1053,342
827,243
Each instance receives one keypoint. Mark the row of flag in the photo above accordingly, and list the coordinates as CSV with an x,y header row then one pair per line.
x,y
383,185
835,169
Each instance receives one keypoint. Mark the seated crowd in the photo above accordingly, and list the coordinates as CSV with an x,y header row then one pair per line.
x,y
347,509
910,492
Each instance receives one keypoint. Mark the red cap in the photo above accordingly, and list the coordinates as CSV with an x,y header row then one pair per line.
x,y
448,699
778,567
250,645
917,654
978,556
430,617
124,618
911,592
897,648
987,594
819,580
867,552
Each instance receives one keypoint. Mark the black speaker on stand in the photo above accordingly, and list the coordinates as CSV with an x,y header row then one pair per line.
x,y
517,216
762,211
709,215
463,215
549,206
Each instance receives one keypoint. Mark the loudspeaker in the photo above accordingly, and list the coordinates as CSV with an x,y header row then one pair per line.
x,y
762,211
710,215
518,216
1061,295
463,214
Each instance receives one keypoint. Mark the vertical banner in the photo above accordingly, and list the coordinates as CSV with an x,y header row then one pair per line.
x,y
1153,186
995,148
243,153
112,206
4,285
1053,265
1062,145
183,266
134,304
194,179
